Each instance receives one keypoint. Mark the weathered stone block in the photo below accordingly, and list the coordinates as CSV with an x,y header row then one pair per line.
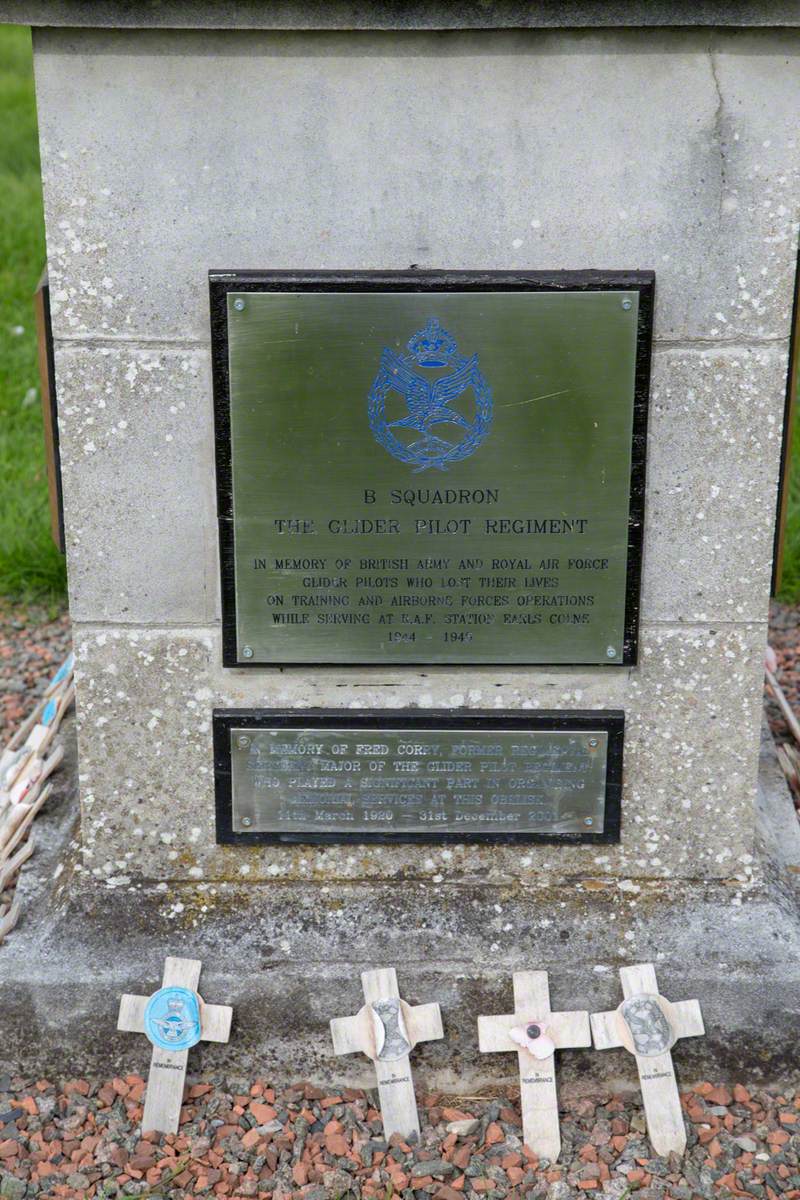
x,y
502,150
137,457
716,428
692,712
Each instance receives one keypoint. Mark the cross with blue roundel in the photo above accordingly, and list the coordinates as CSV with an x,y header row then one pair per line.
x,y
173,1019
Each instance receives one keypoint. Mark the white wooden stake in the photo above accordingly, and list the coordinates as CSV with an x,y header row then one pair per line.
x,y
8,840
167,1017
535,1033
648,1026
9,869
39,738
387,1029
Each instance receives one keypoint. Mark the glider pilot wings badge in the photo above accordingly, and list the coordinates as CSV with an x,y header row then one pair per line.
x,y
430,402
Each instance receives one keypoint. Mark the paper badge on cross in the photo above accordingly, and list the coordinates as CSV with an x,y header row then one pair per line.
x,y
174,1019
536,1033
387,1029
648,1026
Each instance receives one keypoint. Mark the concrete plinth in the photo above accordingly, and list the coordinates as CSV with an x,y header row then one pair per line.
x,y
289,958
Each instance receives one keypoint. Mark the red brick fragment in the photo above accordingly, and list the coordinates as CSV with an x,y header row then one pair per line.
x,y
454,1114
300,1174
461,1157
262,1112
494,1134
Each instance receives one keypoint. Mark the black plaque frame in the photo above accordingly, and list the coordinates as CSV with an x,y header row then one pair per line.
x,y
610,721
412,280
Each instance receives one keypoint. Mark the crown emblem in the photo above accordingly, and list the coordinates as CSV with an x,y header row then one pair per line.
x,y
432,346
431,402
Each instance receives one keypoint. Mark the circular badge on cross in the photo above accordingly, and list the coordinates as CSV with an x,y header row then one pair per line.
x,y
172,1018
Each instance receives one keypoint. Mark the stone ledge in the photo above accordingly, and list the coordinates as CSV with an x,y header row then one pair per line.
x,y
288,958
397,14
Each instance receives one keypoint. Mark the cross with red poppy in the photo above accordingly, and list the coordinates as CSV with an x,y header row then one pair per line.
x,y
536,1033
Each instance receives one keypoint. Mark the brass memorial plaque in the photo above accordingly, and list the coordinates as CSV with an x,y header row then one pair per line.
x,y
394,777
430,468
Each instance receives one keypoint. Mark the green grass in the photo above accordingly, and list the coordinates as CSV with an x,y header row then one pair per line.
x,y
30,565
790,576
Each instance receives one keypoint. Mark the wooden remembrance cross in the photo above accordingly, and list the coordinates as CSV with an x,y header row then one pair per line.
x,y
174,1019
536,1033
387,1029
648,1026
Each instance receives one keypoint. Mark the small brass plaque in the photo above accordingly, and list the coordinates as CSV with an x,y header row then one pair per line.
x,y
391,777
430,468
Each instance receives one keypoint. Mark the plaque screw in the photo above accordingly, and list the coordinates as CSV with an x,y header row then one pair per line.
x,y
626,304
247,651
593,742
247,822
610,652
586,821
243,743
239,304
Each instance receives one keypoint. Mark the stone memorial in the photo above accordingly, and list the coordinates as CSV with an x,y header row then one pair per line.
x,y
421,378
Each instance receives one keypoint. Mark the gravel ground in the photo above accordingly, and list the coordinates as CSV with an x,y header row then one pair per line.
x,y
82,1140
33,645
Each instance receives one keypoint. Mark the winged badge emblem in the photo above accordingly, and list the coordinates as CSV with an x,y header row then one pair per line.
x,y
172,1018
433,431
